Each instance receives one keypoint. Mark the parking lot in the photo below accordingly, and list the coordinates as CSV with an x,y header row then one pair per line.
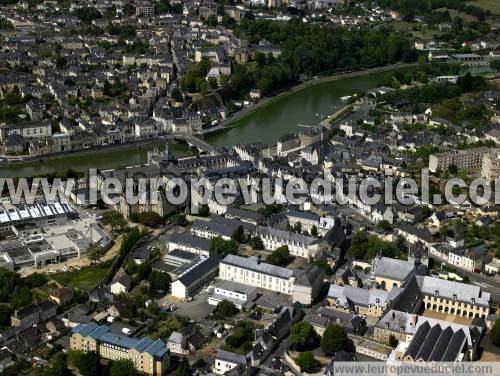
x,y
196,309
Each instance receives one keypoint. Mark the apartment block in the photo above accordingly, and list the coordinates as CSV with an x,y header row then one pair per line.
x,y
149,357
491,165
304,285
253,272
298,245
464,159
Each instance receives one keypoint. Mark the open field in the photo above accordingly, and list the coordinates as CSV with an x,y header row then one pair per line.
x,y
87,277
423,33
455,13
492,5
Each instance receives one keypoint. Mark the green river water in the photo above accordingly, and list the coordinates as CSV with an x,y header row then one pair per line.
x,y
278,117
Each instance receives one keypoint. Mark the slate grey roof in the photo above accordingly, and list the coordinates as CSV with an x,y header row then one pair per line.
x,y
213,227
360,296
232,224
231,357
391,268
302,214
234,286
437,342
453,290
285,236
175,337
179,253
199,270
310,276
233,212
398,321
191,241
253,263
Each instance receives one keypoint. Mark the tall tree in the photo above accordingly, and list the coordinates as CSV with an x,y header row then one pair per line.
x,y
95,253
58,366
122,367
238,235
280,256
495,333
334,339
183,369
303,336
307,362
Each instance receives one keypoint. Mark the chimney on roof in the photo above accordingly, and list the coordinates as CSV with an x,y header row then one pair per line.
x,y
259,259
413,320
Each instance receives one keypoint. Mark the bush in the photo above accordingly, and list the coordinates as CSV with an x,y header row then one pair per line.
x,y
150,219
280,256
219,246
159,281
393,342
256,243
495,333
122,367
239,235
181,220
307,362
303,336
225,309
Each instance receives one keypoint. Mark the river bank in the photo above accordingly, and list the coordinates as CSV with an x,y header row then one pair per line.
x,y
264,122
240,115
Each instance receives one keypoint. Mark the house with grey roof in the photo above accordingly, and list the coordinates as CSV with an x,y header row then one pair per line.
x,y
387,272
33,314
308,286
210,229
176,343
307,220
304,285
323,317
369,302
252,271
225,361
248,216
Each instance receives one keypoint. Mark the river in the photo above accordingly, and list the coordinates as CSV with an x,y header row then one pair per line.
x,y
276,118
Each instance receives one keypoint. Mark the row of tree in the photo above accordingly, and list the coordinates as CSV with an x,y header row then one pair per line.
x,y
312,49
304,338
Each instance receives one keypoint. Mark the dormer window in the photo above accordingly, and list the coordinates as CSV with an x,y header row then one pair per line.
x,y
454,296
436,292
473,300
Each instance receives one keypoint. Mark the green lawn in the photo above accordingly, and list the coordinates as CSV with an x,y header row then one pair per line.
x,y
492,5
424,32
455,13
87,277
